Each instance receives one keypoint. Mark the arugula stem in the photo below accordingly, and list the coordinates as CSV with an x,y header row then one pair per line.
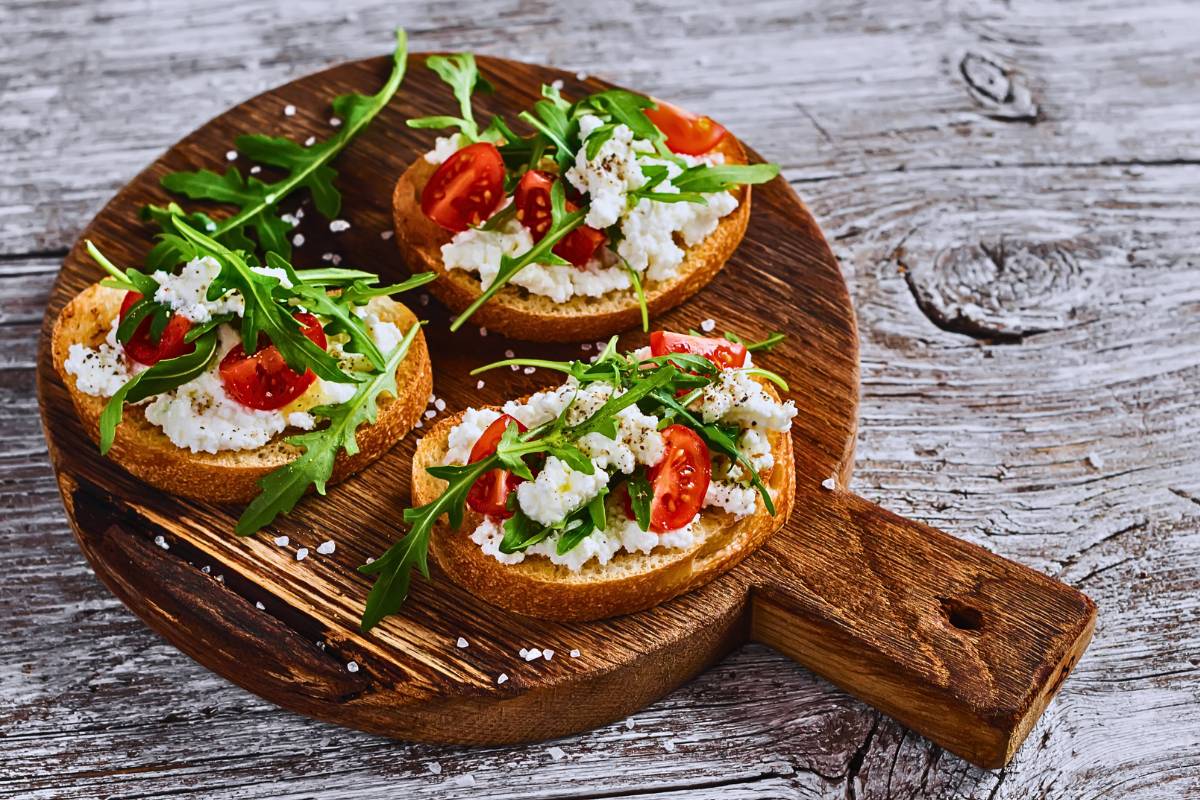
x,y
569,223
560,366
108,266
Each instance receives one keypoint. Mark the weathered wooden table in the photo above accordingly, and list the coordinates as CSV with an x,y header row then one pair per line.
x,y
1011,189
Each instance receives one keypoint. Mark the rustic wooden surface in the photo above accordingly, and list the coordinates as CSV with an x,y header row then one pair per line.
x,y
1010,188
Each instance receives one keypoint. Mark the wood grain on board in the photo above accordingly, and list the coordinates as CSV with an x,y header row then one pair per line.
x,y
1071,449
958,643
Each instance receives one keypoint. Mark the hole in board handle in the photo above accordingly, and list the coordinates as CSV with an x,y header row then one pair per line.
x,y
961,615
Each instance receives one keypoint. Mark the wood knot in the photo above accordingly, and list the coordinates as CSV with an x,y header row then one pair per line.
x,y
1000,90
999,291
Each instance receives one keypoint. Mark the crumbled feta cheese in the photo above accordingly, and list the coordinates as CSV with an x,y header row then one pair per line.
x,y
444,147
558,490
608,177
739,399
200,417
98,372
464,435
732,497
186,291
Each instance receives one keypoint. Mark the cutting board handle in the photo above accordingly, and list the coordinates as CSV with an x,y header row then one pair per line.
x,y
959,644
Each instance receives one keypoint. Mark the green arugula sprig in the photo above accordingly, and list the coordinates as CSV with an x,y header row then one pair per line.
x,y
257,201
285,486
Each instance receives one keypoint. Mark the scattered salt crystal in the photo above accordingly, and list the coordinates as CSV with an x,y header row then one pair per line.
x,y
231,155
574,654
298,240
210,226
479,384
430,414
339,225
419,424
386,234
557,83
1095,460
429,400
327,256
439,404
424,298
289,110
302,554
669,745
528,370
290,219
335,122
325,548
206,569
533,655
352,666
708,325
461,643
258,604
524,652
829,484
547,654
310,141
482,331
586,346
282,541
220,579
370,559
557,753
583,76
509,354
336,260
502,677
255,169
465,780
629,724
321,643
162,542
434,767
299,213
600,346
513,367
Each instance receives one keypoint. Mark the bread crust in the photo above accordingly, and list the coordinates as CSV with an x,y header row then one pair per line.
x,y
521,315
630,582
229,476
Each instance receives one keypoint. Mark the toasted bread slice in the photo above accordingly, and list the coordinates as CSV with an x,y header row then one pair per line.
x,y
629,582
517,313
229,476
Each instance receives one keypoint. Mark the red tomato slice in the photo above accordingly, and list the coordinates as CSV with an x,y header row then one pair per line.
x,y
722,352
533,210
264,380
170,344
685,132
489,494
680,480
466,188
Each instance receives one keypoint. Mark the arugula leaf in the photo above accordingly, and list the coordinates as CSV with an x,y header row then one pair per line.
x,y
640,495
706,179
640,292
262,313
257,201
520,532
627,108
284,487
161,377
461,73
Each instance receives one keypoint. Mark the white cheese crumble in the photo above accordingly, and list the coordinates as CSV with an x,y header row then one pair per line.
x,y
653,233
558,490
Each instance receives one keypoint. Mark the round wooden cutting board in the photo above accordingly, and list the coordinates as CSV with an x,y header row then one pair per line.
x,y
956,642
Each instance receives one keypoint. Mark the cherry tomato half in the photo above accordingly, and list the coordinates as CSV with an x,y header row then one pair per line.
x,y
466,188
680,480
533,210
489,494
170,344
264,380
685,132
722,352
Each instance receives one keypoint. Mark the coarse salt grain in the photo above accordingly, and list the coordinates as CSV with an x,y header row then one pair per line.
x,y
461,643
586,346
302,554
439,404
386,234
258,604
339,225
502,677
282,541
327,256
206,569
533,655
325,548
434,768
574,654
583,76
482,331
629,724
352,666
298,240
557,753
231,155
310,141
1095,460
255,169
509,354
557,83
335,122
289,110
669,745
220,579
707,325
430,414
829,484
336,260
479,384
162,542
424,298
523,652
528,370
547,654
